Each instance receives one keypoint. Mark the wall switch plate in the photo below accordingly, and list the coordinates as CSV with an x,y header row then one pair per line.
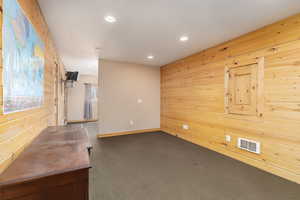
x,y
185,127
228,138
131,122
140,100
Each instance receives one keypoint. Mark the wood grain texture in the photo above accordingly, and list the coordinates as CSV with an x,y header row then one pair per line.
x,y
17,130
193,92
67,147
127,132
68,185
243,86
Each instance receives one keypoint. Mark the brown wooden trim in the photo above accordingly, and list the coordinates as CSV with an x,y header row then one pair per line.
x,y
82,121
128,132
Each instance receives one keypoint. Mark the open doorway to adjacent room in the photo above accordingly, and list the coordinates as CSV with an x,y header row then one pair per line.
x,y
82,99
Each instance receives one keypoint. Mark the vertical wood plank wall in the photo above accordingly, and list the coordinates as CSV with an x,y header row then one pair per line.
x,y
192,92
17,130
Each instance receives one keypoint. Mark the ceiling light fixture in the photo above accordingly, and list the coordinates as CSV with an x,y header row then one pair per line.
x,y
150,57
110,19
184,38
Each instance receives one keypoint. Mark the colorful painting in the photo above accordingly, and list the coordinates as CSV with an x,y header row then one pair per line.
x,y
23,61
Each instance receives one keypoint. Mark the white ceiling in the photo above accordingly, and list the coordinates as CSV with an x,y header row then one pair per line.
x,y
146,27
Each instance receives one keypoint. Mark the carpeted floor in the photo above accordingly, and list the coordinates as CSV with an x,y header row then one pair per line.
x,y
157,166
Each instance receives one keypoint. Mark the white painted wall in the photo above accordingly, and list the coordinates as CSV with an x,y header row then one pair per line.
x,y
121,86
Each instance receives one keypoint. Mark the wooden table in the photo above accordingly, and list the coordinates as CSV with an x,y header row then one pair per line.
x,y
55,166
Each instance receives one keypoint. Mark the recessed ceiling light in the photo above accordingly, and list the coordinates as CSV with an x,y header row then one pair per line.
x,y
184,38
150,57
110,19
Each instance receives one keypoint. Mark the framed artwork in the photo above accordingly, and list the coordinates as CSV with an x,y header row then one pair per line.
x,y
23,61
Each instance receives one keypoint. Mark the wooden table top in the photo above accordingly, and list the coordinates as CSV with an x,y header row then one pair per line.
x,y
56,150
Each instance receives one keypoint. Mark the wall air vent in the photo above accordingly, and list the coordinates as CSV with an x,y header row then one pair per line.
x,y
249,145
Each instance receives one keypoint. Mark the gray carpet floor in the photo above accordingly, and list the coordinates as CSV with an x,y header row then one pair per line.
x,y
157,166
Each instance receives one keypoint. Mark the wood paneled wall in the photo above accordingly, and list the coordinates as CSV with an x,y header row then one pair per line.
x,y
17,130
192,92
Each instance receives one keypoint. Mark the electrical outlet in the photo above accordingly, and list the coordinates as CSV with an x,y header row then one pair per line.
x,y
185,127
131,122
228,138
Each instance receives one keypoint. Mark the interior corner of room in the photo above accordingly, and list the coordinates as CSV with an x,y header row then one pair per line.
x,y
150,100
